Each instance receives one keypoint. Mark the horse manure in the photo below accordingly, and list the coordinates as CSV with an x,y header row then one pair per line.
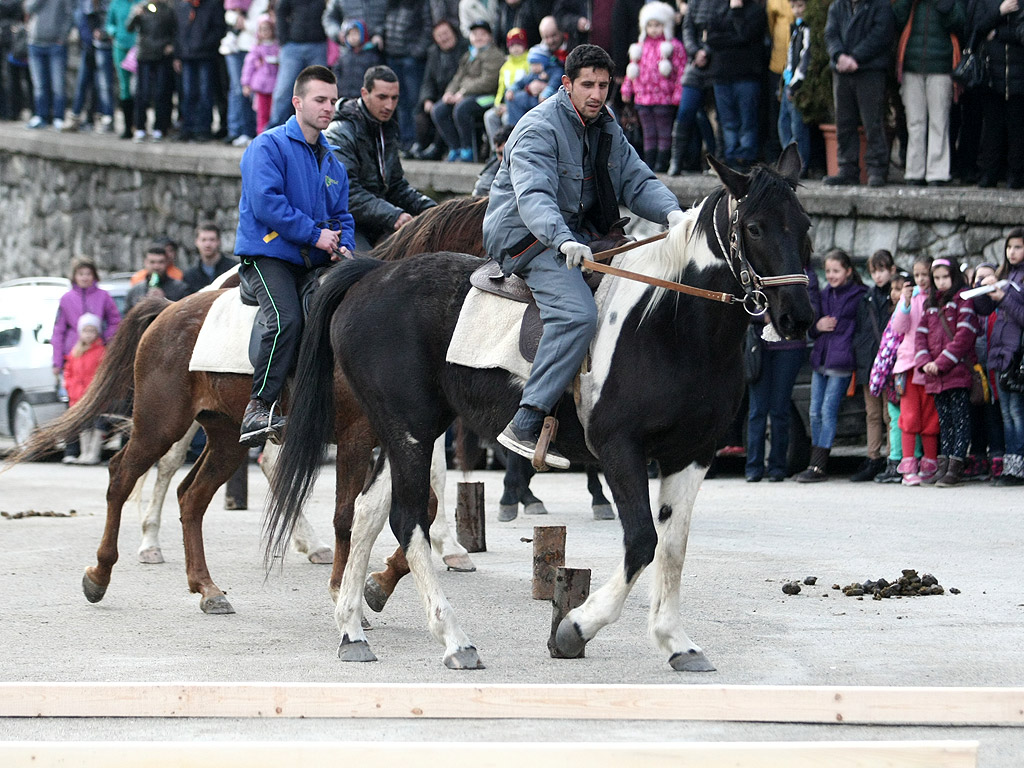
x,y
37,513
810,580
791,588
954,591
909,584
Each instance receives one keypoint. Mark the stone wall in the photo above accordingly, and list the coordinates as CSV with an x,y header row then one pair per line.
x,y
71,194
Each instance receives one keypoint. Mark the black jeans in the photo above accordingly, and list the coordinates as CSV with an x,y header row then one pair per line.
x,y
860,98
275,283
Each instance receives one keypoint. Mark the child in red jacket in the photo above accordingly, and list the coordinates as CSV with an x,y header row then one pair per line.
x,y
945,356
79,369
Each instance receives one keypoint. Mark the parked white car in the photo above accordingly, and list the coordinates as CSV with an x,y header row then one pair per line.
x,y
28,389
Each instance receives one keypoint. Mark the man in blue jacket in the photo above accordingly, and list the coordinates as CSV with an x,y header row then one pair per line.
x,y
292,218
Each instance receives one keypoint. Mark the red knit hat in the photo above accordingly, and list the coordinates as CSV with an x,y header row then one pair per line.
x,y
516,36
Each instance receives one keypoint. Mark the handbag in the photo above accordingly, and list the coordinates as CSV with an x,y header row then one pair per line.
x,y
1012,379
753,354
978,391
970,71
130,62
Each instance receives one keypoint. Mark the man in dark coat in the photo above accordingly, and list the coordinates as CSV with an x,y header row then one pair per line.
x,y
442,62
211,263
200,29
365,132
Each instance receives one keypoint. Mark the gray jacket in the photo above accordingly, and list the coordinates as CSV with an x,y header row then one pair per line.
x,y
535,198
49,21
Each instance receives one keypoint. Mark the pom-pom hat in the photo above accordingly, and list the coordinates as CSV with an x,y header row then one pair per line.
x,y
655,11
516,36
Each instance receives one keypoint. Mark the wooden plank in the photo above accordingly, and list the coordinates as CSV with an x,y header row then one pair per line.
x,y
735,703
855,754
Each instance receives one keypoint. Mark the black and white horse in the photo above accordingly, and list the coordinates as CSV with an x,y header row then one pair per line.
x,y
665,380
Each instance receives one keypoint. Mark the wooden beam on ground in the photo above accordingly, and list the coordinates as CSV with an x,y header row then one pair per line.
x,y
866,705
850,754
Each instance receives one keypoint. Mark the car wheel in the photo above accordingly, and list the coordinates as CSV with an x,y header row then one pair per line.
x,y
23,420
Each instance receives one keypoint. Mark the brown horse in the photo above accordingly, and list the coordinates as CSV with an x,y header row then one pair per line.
x,y
156,340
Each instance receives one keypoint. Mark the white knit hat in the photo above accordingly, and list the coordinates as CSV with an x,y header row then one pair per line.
x,y
656,11
87,319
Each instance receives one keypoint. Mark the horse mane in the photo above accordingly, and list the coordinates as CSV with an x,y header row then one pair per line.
x,y
458,220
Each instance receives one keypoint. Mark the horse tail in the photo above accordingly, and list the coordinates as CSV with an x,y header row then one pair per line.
x,y
311,414
111,388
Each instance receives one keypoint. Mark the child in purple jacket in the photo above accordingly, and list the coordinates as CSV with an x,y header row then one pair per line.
x,y
832,358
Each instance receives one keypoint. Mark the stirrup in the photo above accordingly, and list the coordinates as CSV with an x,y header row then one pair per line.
x,y
548,432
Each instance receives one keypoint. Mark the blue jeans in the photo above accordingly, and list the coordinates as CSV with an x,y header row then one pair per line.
x,y
770,396
737,104
95,73
1011,404
198,80
410,76
792,128
569,314
241,117
692,114
457,124
294,58
48,65
827,393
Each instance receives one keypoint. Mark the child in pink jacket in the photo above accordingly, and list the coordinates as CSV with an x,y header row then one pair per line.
x,y
917,408
654,81
259,71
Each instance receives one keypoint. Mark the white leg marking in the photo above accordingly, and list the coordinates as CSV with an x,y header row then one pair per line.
x,y
441,539
665,625
440,617
603,606
372,508
170,462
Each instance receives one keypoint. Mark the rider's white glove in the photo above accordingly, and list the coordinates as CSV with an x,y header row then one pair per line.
x,y
575,253
675,217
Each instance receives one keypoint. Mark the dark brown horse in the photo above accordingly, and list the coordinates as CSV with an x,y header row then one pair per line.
x,y
156,340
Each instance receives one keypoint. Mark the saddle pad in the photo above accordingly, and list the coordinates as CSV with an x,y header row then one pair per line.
x,y
223,342
487,334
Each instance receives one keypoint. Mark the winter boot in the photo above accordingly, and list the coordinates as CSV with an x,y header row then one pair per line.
x,y
954,470
908,467
662,162
92,443
1013,471
890,474
679,139
995,467
941,463
927,468
815,472
651,158
128,113
867,471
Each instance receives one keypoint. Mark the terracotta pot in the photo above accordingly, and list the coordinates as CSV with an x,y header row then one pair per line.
x,y
828,132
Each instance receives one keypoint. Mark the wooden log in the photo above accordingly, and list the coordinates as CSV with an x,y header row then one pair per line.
x,y
548,555
470,527
572,588
236,491
235,754
837,704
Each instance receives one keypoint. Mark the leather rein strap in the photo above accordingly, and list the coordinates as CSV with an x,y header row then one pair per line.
x,y
608,269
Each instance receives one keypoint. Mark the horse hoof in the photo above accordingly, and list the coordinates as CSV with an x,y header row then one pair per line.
x,y
691,661
93,591
507,512
374,595
603,512
217,605
322,556
355,651
464,658
537,508
569,640
151,556
459,562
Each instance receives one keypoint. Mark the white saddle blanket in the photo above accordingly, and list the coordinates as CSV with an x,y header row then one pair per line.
x,y
487,334
223,342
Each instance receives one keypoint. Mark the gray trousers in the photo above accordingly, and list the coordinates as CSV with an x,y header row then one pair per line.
x,y
569,314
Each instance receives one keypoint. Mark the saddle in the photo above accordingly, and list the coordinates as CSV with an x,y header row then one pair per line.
x,y
307,287
489,278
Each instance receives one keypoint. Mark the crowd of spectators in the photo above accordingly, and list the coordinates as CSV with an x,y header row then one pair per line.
x,y
707,76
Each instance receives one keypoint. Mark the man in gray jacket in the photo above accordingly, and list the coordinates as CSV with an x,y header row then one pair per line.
x,y
567,167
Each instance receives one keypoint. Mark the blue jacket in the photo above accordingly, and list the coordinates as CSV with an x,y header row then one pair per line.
x,y
285,191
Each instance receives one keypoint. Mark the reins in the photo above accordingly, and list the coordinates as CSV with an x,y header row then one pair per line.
x,y
754,301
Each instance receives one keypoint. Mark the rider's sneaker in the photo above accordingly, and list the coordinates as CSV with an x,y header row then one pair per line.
x,y
258,424
525,444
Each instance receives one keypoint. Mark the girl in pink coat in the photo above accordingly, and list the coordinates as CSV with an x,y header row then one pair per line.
x,y
654,81
918,416
944,345
259,71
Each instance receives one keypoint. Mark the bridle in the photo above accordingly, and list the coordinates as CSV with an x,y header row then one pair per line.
x,y
754,301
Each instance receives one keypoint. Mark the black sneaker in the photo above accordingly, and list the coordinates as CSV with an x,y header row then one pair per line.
x,y
890,474
867,471
839,180
525,444
259,423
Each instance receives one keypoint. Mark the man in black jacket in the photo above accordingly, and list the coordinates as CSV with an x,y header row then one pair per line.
x,y
365,134
300,31
200,29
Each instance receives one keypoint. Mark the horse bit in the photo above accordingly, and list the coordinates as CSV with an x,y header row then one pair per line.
x,y
754,300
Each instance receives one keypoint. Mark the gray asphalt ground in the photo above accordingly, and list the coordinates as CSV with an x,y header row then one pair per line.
x,y
746,541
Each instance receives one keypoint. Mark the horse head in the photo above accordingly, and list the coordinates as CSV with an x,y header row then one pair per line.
x,y
768,245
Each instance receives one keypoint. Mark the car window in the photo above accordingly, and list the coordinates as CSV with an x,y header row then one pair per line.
x,y
10,333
